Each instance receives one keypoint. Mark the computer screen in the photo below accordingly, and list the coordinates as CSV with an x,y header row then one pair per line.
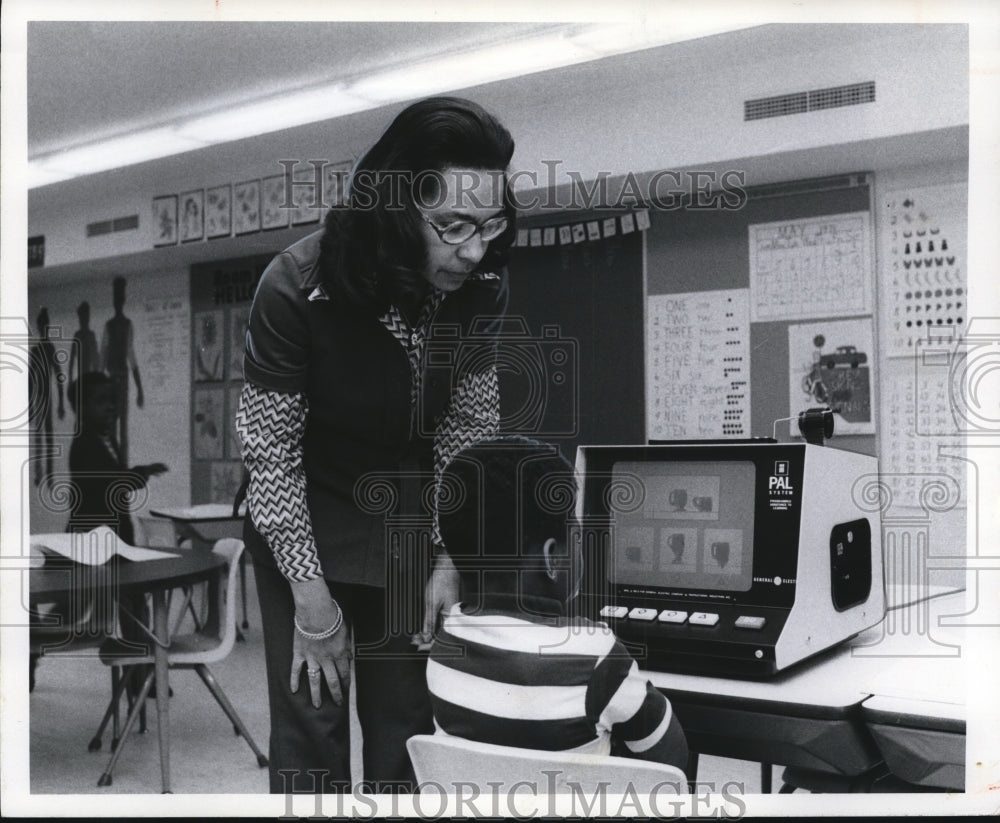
x,y
685,525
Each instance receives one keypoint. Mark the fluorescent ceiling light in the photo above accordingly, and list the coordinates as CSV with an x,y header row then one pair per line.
x,y
282,112
137,147
618,38
445,73
472,68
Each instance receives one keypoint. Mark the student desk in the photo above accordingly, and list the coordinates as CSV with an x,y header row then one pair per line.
x,y
205,523
812,716
62,577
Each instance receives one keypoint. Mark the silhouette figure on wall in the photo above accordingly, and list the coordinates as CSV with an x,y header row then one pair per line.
x,y
85,356
118,358
43,363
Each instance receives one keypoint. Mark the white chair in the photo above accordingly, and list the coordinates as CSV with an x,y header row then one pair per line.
x,y
442,760
213,642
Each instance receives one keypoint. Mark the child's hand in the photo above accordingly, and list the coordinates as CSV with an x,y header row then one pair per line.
x,y
151,470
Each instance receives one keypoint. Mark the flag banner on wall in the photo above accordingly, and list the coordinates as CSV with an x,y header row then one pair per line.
x,y
589,231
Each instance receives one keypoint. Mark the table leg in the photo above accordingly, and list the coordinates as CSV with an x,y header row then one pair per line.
x,y
765,778
160,619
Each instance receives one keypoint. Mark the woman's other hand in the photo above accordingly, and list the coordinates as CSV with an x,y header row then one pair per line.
x,y
440,594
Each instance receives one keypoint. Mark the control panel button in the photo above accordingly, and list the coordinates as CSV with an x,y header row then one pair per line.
x,y
642,614
614,611
745,621
704,618
672,616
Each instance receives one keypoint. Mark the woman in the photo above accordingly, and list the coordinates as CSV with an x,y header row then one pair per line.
x,y
335,395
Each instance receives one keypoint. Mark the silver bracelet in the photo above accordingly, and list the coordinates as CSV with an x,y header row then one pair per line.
x,y
324,634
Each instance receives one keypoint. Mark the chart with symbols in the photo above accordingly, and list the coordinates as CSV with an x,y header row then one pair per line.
x,y
922,282
698,365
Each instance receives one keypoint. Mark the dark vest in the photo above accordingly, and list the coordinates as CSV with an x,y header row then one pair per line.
x,y
363,459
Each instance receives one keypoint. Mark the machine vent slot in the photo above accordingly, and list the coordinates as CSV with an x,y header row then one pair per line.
x,y
804,101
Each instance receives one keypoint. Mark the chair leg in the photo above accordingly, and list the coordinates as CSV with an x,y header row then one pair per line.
x,y
691,772
118,684
227,707
766,773
105,779
243,588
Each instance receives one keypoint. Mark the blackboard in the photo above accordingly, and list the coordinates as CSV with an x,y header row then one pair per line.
x,y
584,302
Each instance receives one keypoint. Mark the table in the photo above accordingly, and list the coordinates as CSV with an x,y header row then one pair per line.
x,y
205,523
811,717
60,577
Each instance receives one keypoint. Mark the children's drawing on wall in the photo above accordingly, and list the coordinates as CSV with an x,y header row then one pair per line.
x,y
192,224
44,364
208,346
239,318
208,429
85,356
118,359
165,220
830,364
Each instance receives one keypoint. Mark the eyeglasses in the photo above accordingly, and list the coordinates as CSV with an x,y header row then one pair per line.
x,y
455,234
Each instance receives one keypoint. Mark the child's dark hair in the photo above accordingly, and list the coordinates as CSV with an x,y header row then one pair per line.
x,y
82,389
500,499
373,249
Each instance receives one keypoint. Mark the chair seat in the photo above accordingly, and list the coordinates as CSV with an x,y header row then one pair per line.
x,y
184,649
442,759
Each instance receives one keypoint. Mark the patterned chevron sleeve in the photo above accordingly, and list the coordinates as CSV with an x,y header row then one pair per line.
x,y
473,414
270,426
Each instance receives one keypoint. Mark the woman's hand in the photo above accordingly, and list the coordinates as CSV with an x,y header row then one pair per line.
x,y
440,594
316,611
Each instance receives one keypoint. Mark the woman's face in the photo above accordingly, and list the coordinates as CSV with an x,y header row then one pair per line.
x,y
465,195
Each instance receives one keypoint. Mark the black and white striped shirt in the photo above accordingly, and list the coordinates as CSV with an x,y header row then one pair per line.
x,y
558,684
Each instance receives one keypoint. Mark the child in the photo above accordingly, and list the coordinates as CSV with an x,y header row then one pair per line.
x,y
101,483
99,474
509,667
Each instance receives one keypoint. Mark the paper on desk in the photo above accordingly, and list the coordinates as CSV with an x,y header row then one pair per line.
x,y
202,511
93,548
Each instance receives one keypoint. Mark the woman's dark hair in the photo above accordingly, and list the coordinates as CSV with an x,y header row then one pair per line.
x,y
372,250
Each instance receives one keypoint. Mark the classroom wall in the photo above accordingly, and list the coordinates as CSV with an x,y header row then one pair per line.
x,y
672,107
158,305
660,109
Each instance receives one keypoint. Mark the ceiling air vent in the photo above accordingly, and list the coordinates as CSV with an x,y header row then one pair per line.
x,y
108,226
802,101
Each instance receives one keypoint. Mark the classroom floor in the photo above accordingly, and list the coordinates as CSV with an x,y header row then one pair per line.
x,y
205,756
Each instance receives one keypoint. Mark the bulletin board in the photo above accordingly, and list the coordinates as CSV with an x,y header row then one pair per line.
x,y
795,263
221,295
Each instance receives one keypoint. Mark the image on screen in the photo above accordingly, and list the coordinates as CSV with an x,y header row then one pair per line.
x,y
691,527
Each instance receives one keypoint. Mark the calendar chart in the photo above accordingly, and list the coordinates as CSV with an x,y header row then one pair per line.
x,y
812,267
